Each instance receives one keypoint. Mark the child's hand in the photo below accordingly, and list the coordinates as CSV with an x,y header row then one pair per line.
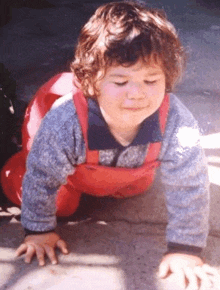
x,y
40,245
193,274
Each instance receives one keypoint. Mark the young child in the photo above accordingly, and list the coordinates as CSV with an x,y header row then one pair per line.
x,y
108,138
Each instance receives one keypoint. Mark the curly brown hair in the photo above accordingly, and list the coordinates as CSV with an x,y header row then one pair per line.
x,y
121,33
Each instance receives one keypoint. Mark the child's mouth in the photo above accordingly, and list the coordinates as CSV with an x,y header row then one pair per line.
x,y
134,109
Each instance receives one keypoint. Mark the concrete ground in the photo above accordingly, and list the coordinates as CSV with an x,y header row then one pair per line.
x,y
119,245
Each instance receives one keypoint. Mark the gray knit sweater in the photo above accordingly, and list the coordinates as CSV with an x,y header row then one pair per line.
x,y
59,146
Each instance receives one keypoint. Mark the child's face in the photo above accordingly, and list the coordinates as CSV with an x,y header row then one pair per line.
x,y
128,95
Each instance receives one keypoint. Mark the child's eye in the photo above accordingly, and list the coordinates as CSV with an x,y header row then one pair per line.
x,y
150,82
120,84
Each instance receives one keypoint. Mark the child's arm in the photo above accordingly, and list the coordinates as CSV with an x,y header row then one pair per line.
x,y
185,179
186,185
41,245
52,158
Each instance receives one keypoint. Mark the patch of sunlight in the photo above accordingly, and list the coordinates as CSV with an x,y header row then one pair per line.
x,y
34,277
7,271
211,141
94,259
214,174
213,159
75,271
188,137
90,278
7,254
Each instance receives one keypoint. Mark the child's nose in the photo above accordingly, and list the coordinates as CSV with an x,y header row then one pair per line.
x,y
135,91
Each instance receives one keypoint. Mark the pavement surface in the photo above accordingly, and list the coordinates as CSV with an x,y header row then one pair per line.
x,y
114,245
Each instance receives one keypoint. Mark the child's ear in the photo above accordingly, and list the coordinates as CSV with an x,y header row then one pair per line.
x,y
91,90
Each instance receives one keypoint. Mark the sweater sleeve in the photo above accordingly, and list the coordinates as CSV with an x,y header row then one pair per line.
x,y
185,178
56,149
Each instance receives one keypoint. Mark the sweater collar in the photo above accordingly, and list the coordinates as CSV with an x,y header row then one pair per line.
x,y
100,137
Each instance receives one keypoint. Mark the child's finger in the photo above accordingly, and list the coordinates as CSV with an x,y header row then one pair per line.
x,y
61,244
191,278
213,275
51,254
163,269
40,255
203,277
20,250
181,277
29,253
210,270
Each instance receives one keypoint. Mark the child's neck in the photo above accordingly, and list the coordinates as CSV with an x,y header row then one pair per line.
x,y
122,133
124,136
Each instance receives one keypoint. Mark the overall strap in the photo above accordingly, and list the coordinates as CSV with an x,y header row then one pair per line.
x,y
154,148
163,111
92,157
41,103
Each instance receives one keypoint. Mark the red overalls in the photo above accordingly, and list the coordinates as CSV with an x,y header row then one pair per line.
x,y
89,177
